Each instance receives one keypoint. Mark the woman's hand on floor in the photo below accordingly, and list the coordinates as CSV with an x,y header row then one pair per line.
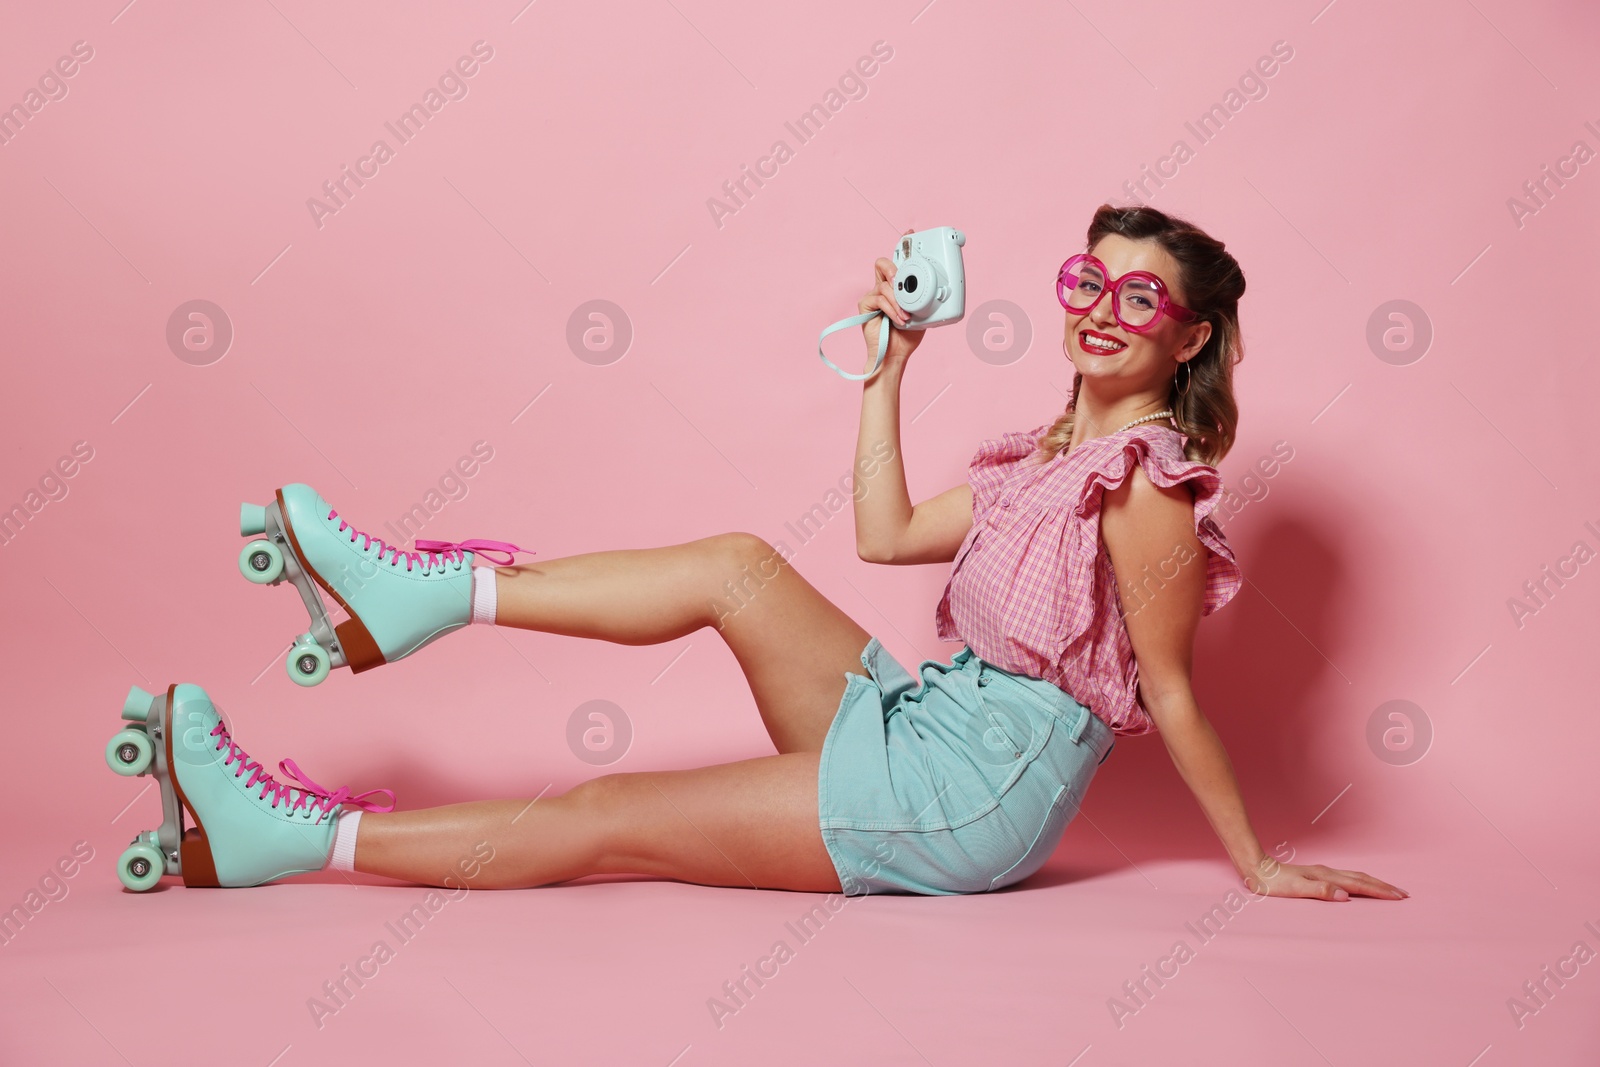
x,y
1319,882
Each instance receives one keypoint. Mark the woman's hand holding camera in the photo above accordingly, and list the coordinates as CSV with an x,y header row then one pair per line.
x,y
881,298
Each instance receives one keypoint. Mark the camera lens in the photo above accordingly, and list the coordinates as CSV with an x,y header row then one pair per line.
x,y
916,283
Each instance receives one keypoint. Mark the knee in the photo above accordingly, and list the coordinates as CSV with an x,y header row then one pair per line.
x,y
613,813
597,797
750,552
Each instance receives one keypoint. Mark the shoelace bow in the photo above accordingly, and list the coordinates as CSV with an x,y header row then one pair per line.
x,y
305,794
436,552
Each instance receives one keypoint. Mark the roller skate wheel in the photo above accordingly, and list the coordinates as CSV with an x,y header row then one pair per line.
x,y
129,753
309,662
252,520
261,562
141,867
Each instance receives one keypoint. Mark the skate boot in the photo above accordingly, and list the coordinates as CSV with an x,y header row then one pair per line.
x,y
397,600
248,828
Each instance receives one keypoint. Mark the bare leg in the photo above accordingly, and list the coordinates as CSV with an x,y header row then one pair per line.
x,y
752,823
792,643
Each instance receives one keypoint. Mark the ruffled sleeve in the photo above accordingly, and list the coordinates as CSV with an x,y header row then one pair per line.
x,y
1164,463
996,459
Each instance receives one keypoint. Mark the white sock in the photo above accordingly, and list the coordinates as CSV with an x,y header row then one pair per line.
x,y
343,857
483,594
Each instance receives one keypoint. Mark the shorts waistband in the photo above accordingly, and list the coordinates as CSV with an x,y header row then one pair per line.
x,y
1079,721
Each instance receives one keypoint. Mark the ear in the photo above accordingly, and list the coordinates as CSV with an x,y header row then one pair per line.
x,y
1199,334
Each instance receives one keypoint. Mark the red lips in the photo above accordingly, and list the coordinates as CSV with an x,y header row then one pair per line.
x,y
1104,337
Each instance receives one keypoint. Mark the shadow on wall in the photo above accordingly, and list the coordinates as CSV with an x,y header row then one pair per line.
x,y
1254,674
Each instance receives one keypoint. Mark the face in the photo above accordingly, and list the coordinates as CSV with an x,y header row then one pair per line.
x,y
1148,359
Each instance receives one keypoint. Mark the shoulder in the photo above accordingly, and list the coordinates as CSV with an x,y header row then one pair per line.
x,y
1151,454
1156,503
1138,493
1157,512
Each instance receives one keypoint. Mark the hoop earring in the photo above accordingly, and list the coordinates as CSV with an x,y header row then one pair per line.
x,y
1188,376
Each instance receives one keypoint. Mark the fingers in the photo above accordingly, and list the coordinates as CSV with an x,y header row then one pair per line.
x,y
1363,883
1330,883
885,270
882,299
892,306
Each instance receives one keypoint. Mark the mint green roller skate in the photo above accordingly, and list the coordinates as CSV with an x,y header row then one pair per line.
x,y
248,829
397,600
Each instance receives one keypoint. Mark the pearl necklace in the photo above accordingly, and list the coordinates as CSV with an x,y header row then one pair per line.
x,y
1148,418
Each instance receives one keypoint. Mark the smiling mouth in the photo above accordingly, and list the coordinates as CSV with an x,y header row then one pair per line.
x,y
1099,344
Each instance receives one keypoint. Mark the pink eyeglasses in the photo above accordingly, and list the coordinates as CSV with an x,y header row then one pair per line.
x,y
1140,297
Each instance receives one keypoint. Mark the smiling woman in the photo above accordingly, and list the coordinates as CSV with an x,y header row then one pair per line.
x,y
958,777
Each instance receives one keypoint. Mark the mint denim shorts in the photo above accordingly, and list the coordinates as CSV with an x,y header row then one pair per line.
x,y
963,783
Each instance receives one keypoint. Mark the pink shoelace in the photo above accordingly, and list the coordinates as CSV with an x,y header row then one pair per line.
x,y
306,794
429,554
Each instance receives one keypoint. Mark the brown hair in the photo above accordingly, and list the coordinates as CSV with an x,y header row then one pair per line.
x,y
1212,282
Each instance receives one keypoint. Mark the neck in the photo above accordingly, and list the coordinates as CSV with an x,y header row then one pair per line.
x,y
1099,415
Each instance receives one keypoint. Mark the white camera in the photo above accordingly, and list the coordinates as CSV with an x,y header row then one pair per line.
x,y
929,283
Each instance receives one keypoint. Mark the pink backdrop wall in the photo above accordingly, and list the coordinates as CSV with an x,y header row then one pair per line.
x,y
375,345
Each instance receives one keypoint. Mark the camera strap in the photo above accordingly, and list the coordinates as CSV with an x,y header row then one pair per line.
x,y
857,320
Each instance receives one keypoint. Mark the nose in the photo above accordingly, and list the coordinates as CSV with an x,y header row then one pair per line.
x,y
1104,316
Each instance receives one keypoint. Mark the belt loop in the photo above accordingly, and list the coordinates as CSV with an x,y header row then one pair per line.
x,y
1076,732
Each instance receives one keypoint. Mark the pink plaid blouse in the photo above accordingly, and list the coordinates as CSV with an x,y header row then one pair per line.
x,y
1031,590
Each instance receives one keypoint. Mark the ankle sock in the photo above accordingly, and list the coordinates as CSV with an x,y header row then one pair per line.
x,y
483,594
343,856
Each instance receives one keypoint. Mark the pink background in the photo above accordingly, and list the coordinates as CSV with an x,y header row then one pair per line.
x,y
432,309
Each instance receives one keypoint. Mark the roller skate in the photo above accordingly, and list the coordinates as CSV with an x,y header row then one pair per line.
x,y
248,828
397,600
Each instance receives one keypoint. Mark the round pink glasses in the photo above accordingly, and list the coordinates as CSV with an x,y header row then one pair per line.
x,y
1140,298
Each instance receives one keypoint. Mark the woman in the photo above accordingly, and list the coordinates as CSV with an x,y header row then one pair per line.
x,y
1084,558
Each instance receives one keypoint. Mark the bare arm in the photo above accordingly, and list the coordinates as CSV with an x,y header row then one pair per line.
x,y
888,528
1149,531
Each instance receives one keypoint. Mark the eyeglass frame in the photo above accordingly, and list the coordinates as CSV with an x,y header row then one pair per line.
x,y
1164,303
